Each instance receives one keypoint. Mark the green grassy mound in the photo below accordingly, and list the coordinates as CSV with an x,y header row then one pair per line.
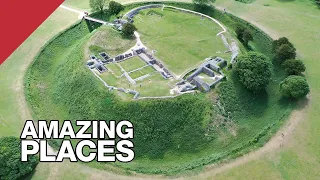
x,y
105,40
171,135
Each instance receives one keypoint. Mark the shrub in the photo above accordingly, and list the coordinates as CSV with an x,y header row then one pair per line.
x,y
246,37
115,7
293,67
294,87
239,31
128,29
254,70
10,165
243,34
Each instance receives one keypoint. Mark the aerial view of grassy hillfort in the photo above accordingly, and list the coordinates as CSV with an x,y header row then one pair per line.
x,y
215,89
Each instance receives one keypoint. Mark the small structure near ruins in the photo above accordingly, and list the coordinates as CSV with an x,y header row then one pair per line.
x,y
208,74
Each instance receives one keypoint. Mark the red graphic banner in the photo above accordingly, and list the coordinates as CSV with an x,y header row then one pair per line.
x,y
19,18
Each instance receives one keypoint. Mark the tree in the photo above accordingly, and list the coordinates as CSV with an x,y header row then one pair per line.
x,y
239,31
294,87
115,8
200,2
293,67
285,51
97,5
254,70
128,29
10,165
277,43
243,34
246,37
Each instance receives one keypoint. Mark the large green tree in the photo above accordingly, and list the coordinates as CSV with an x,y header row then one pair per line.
x,y
294,67
285,52
254,70
283,49
246,37
294,87
115,7
243,34
128,29
277,43
10,165
97,5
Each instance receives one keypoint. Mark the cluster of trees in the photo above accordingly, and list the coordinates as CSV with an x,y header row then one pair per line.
x,y
114,8
254,70
10,165
100,5
318,2
294,86
244,34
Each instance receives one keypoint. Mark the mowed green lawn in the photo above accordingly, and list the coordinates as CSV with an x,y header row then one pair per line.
x,y
181,40
132,64
78,4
